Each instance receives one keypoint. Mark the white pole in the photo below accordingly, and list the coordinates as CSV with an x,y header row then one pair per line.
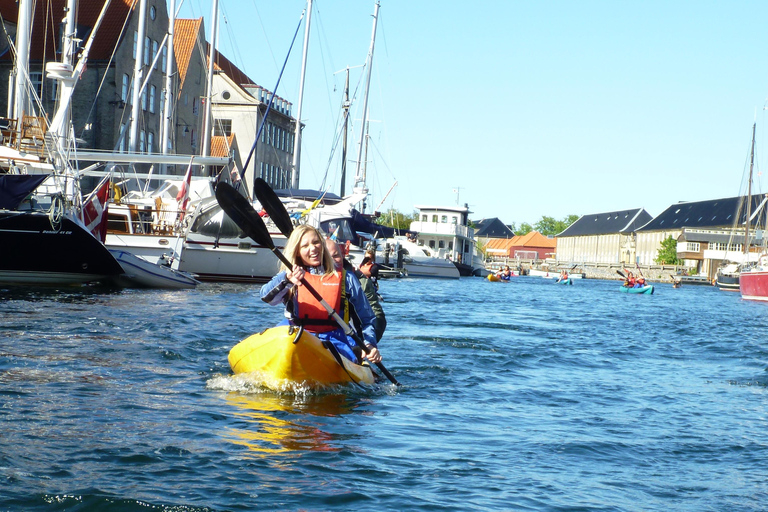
x,y
359,177
138,74
207,132
23,37
297,131
165,137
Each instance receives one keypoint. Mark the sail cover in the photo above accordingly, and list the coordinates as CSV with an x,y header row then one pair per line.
x,y
361,223
15,187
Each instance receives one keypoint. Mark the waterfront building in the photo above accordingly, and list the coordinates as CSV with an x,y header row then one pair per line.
x,y
707,233
608,237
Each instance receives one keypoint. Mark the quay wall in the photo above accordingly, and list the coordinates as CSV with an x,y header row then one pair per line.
x,y
657,273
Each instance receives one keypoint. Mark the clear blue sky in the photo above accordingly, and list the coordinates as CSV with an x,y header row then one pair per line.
x,y
528,108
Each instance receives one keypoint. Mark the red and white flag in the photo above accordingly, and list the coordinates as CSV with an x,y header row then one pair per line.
x,y
95,209
183,196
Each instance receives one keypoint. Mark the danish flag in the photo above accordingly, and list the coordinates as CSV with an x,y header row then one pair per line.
x,y
183,196
95,209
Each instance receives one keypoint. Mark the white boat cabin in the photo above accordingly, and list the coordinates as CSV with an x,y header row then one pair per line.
x,y
445,230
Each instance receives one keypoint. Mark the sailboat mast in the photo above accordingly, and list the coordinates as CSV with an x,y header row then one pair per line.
x,y
346,136
749,194
297,130
359,178
138,75
166,131
23,37
207,132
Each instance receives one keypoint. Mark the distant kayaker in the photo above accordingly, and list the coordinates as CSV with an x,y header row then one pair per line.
x,y
563,276
505,274
313,262
367,273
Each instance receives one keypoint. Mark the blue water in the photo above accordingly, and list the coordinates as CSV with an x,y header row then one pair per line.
x,y
520,396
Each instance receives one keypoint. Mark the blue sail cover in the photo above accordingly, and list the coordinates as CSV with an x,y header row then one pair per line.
x,y
360,223
15,187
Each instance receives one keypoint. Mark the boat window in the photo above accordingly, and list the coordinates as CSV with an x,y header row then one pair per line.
x,y
426,252
213,222
444,219
434,218
342,229
423,218
431,244
441,244
454,220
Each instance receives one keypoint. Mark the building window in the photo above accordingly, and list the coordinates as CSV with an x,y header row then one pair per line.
x,y
144,100
165,57
222,127
124,93
121,147
142,141
692,247
146,50
135,42
152,13
150,142
154,52
152,92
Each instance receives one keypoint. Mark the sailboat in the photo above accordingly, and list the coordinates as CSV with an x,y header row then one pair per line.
x,y
729,274
43,231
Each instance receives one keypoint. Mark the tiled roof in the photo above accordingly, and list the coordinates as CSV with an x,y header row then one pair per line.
x,y
533,239
46,40
624,221
233,72
703,214
185,33
220,145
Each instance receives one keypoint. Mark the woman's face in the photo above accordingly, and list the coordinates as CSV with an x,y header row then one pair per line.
x,y
310,249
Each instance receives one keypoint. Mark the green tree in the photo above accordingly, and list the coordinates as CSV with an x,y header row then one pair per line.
x,y
396,219
550,226
667,254
524,229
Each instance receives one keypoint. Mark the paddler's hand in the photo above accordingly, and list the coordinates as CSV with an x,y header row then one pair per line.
x,y
295,275
373,354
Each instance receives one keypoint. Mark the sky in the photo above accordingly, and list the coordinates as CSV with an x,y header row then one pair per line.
x,y
520,109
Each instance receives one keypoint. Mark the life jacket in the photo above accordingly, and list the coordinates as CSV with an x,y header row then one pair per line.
x,y
311,314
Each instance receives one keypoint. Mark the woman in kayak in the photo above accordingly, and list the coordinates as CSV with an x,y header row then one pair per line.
x,y
312,262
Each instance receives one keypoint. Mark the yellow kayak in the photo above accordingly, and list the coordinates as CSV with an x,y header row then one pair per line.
x,y
493,278
282,359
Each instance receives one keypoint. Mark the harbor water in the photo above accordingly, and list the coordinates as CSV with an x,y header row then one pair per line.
x,y
525,395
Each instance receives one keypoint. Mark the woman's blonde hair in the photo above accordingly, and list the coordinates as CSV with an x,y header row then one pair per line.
x,y
293,246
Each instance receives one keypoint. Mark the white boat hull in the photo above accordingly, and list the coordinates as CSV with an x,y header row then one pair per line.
x,y
141,273
231,260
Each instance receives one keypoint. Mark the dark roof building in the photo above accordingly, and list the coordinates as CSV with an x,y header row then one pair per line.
x,y
624,221
492,228
703,214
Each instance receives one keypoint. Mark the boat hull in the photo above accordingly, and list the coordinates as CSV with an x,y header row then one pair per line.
x,y
143,274
728,283
647,290
230,260
40,254
287,355
753,285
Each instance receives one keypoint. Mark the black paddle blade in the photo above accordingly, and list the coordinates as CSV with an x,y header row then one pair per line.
x,y
274,207
621,274
242,213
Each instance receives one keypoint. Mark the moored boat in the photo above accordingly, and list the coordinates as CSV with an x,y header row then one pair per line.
x,y
647,289
285,355
753,281
144,274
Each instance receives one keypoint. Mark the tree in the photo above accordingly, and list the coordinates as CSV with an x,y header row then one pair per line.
x,y
524,229
396,219
549,226
667,254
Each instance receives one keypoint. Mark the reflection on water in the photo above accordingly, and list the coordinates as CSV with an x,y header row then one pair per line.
x,y
283,424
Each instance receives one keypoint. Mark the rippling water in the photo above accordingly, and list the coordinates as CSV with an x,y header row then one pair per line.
x,y
520,396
